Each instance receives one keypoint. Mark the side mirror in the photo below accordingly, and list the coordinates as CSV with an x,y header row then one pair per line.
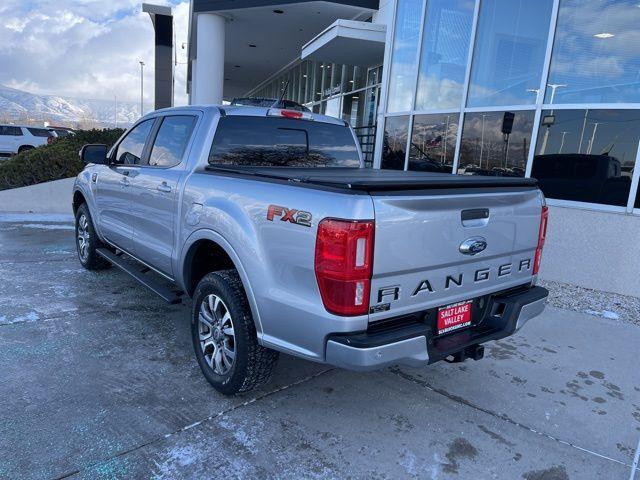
x,y
94,153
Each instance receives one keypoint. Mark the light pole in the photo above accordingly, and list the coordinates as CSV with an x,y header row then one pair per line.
x,y
554,87
482,140
562,142
141,88
593,137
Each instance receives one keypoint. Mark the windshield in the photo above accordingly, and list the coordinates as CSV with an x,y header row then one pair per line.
x,y
282,142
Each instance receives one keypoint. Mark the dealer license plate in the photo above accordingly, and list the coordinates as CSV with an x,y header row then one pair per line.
x,y
454,317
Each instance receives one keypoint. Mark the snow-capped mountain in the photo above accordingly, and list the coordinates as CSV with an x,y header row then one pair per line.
x,y
20,106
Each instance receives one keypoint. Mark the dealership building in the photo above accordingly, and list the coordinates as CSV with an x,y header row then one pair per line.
x,y
542,88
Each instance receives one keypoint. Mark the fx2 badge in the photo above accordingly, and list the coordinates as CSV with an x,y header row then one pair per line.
x,y
292,215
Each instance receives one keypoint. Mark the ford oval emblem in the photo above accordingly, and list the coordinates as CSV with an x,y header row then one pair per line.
x,y
473,245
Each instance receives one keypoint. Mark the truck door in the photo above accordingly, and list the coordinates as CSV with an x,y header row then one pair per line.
x,y
113,187
155,191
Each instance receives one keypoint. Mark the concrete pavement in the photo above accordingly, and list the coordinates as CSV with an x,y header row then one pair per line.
x,y
99,381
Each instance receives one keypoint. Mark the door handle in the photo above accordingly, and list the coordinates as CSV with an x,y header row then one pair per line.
x,y
163,187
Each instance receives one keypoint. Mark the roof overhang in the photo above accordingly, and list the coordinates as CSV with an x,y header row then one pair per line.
x,y
348,42
200,6
262,37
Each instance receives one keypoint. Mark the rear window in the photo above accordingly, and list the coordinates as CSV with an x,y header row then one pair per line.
x,y
39,132
282,142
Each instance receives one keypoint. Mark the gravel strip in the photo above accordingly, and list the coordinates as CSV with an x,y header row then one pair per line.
x,y
593,302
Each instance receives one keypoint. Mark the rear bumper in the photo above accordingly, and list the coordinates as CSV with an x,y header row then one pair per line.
x,y
417,344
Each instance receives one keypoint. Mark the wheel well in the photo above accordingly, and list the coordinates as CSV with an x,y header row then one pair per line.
x,y
25,147
78,199
204,256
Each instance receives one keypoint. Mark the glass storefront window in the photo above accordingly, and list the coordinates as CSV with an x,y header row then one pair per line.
x,y
433,143
394,146
359,78
596,52
347,78
304,82
443,59
403,71
509,52
495,143
317,81
327,71
587,155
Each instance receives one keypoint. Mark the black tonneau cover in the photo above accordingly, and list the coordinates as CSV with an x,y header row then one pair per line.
x,y
373,180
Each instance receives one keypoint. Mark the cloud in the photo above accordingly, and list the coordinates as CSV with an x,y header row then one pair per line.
x,y
84,48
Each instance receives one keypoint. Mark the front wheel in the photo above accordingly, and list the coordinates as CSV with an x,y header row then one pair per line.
x,y
87,241
224,336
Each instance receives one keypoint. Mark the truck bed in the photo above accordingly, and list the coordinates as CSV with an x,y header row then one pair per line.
x,y
371,180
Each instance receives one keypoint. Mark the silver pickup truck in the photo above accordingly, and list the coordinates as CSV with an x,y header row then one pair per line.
x,y
267,219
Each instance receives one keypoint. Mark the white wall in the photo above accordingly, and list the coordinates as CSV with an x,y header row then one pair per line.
x,y
593,249
48,197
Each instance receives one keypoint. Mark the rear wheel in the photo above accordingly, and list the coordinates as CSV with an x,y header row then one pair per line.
x,y
224,336
24,148
87,241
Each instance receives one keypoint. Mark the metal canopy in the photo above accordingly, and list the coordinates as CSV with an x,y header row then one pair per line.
x,y
348,42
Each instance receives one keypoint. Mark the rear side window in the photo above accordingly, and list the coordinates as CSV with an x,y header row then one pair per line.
x,y
171,140
282,142
10,130
131,148
39,132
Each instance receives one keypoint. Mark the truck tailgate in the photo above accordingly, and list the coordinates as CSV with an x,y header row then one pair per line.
x,y
418,260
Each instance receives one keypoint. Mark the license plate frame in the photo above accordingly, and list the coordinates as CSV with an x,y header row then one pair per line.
x,y
454,317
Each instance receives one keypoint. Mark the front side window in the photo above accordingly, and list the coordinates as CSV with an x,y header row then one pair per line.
x,y
587,155
596,53
130,150
433,142
171,140
495,143
282,142
443,58
509,52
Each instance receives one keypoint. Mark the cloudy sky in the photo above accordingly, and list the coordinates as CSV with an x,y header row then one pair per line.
x,y
84,48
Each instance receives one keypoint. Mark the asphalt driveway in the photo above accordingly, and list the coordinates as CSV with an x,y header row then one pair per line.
x,y
98,380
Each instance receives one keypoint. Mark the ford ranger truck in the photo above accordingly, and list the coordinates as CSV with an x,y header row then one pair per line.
x,y
268,221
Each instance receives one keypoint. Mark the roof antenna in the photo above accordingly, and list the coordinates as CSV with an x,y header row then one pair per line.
x,y
282,95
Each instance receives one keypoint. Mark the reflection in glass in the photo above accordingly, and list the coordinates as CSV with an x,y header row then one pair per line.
x,y
445,45
509,52
280,142
402,75
495,143
394,145
587,155
596,52
433,142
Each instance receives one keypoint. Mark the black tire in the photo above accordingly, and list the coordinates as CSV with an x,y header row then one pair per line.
x,y
24,148
88,257
252,365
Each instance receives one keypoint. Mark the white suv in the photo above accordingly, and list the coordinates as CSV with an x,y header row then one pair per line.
x,y
16,138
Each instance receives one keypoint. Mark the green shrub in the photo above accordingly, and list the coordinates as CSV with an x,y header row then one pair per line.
x,y
52,162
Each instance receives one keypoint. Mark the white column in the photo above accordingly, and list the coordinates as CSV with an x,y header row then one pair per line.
x,y
208,77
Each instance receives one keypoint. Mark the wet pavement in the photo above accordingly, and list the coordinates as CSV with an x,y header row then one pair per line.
x,y
98,380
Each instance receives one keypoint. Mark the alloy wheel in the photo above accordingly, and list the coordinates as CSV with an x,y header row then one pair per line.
x,y
217,337
83,237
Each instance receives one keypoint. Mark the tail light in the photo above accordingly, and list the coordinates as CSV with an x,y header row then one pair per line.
x,y
344,264
542,235
50,139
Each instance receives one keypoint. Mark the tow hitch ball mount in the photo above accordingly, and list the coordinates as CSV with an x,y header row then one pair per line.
x,y
476,352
